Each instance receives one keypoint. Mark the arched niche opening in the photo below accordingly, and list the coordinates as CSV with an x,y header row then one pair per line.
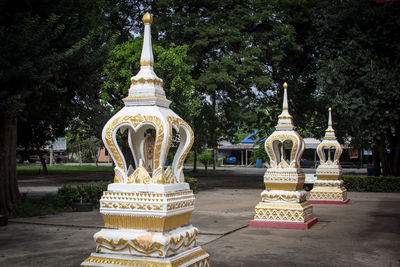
x,y
122,139
329,153
283,152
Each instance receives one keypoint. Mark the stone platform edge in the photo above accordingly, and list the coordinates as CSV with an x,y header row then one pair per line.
x,y
284,225
344,202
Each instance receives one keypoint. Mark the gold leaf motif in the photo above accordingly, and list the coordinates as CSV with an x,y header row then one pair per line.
x,y
139,176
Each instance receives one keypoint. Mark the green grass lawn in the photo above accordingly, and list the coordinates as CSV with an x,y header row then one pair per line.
x,y
63,168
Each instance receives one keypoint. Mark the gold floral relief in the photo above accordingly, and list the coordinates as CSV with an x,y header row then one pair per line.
x,y
150,81
119,175
139,176
169,176
141,245
158,176
191,238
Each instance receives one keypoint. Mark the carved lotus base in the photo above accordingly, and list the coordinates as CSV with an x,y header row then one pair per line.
x,y
196,257
146,243
283,212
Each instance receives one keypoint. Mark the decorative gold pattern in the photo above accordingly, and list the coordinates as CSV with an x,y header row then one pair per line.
x,y
328,194
150,81
191,238
139,176
142,246
152,223
283,197
143,196
328,177
283,212
144,96
284,186
203,261
146,63
119,176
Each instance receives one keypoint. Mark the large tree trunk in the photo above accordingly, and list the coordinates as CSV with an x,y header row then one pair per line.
x,y
195,160
375,156
214,131
8,168
395,153
386,170
42,161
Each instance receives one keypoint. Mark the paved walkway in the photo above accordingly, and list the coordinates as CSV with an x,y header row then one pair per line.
x,y
366,232
225,177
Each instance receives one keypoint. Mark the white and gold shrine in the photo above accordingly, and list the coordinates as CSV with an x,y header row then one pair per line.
x,y
146,210
284,203
328,188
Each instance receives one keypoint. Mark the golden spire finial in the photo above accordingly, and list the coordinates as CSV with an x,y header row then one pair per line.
x,y
285,85
330,109
147,18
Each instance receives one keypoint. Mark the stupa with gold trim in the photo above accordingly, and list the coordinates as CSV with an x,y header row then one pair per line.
x,y
146,210
284,203
328,188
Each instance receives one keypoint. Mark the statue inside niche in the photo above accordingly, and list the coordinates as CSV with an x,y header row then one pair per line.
x,y
148,149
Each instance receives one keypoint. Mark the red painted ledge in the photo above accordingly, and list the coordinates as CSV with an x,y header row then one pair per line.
x,y
284,225
329,202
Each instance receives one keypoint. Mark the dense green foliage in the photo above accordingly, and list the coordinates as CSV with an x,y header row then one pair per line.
x,y
205,158
170,65
259,153
33,170
192,183
67,65
359,74
67,195
372,184
61,201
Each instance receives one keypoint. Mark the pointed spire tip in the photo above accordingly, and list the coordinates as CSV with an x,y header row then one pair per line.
x,y
147,18
285,85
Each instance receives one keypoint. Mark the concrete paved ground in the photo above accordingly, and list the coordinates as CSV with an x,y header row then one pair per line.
x,y
366,232
225,177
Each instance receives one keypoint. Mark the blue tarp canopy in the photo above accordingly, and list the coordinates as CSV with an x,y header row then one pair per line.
x,y
250,139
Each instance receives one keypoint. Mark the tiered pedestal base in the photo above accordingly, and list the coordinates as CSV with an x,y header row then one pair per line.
x,y
328,192
284,225
330,202
196,257
289,215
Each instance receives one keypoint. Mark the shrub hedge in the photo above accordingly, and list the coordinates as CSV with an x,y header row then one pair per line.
x,y
66,195
192,183
372,183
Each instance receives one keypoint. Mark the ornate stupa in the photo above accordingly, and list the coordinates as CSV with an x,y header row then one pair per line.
x,y
146,210
328,188
284,203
